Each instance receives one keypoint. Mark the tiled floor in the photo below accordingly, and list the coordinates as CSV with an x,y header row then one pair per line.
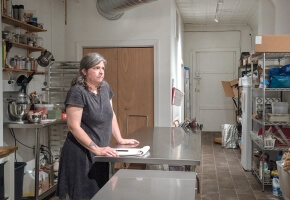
x,y
222,176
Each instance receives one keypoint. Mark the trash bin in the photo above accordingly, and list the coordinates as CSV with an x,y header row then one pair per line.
x,y
2,189
230,136
18,174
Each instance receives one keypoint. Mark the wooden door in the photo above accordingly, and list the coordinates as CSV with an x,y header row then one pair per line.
x,y
129,72
135,87
111,71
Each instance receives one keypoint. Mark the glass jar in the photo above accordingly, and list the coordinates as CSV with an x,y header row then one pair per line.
x,y
39,42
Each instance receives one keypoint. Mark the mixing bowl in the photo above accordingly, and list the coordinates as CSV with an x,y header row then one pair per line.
x,y
18,111
34,117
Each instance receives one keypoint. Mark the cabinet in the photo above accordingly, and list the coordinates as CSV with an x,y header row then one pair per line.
x,y
16,23
262,121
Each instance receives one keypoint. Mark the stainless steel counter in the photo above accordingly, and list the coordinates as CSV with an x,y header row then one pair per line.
x,y
36,126
149,184
168,145
42,124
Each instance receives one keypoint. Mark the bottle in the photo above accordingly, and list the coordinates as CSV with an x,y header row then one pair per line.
x,y
56,166
43,181
27,64
9,8
276,186
21,13
15,11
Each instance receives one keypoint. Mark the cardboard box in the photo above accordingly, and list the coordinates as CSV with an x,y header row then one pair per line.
x,y
230,88
272,43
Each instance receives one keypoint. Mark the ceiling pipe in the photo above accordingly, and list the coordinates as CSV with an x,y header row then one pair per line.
x,y
114,9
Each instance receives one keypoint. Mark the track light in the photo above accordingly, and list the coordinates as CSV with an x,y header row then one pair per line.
x,y
216,19
218,10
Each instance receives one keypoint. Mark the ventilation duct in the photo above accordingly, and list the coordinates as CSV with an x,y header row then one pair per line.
x,y
114,9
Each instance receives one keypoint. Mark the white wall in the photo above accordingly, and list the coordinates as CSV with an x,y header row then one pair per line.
x,y
200,41
266,18
146,25
273,17
282,16
151,24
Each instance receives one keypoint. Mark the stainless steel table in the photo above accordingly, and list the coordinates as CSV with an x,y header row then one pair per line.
x,y
37,126
149,184
168,145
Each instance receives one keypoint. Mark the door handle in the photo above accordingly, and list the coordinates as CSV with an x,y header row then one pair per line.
x,y
126,108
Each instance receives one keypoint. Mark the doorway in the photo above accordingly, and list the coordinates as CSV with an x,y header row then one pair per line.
x,y
209,104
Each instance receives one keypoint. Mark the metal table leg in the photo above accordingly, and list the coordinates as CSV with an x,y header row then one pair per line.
x,y
37,146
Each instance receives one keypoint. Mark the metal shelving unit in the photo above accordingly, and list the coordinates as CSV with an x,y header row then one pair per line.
x,y
262,123
59,77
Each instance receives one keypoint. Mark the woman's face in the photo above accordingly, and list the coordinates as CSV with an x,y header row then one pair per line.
x,y
95,74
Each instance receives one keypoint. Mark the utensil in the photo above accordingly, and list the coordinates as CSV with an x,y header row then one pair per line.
x,y
23,82
45,58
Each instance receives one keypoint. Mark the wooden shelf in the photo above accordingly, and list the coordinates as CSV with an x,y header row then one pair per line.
x,y
22,70
27,47
23,25
6,150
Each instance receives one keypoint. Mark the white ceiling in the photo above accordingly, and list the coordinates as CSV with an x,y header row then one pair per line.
x,y
202,12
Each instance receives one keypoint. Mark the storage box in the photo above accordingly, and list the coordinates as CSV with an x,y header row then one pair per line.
x,y
272,43
284,179
279,107
231,88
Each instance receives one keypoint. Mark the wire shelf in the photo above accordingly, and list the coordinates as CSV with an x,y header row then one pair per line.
x,y
272,56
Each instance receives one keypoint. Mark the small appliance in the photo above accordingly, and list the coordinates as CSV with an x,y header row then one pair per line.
x,y
16,105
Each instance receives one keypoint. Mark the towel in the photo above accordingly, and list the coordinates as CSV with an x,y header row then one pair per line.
x,y
133,151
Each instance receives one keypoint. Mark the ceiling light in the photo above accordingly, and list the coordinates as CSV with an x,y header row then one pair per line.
x,y
216,19
218,10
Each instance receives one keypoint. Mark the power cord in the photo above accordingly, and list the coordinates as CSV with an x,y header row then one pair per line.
x,y
42,150
16,140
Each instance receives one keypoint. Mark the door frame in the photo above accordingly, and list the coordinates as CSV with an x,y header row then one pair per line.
x,y
127,43
194,98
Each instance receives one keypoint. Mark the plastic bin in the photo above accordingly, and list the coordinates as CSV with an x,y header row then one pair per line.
x,y
2,189
19,174
284,179
279,107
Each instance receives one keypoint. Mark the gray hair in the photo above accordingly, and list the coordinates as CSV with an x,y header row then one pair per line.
x,y
88,61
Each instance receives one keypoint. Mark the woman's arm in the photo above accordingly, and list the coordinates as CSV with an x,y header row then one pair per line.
x,y
117,133
74,115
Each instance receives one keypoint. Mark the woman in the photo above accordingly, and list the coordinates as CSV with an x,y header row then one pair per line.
x,y
91,122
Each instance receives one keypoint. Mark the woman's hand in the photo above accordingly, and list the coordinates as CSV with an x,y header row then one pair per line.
x,y
106,151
